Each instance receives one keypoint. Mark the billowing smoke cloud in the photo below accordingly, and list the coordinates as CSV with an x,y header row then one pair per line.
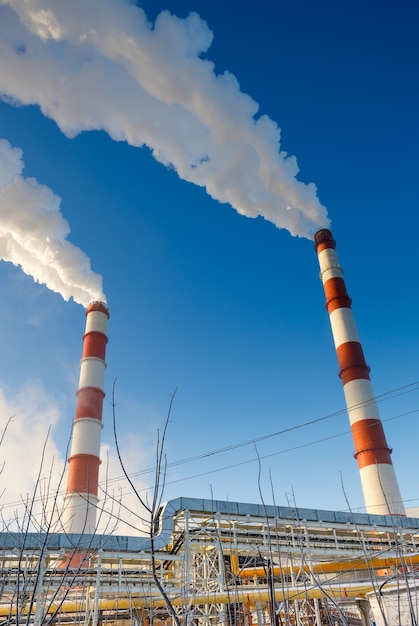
x,y
102,65
33,234
27,452
31,465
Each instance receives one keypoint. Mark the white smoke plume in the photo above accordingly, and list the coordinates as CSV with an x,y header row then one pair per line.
x,y
101,65
28,453
33,234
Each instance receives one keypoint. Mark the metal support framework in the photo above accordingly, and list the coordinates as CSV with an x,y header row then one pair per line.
x,y
219,562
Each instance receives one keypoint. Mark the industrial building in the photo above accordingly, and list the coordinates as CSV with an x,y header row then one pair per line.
x,y
218,563
207,562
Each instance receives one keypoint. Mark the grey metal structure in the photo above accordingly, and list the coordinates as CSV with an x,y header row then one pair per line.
x,y
218,562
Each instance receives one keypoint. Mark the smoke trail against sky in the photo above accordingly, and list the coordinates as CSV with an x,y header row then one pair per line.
x,y
102,65
33,234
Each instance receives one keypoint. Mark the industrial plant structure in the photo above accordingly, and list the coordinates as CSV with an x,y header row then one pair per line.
x,y
211,563
217,563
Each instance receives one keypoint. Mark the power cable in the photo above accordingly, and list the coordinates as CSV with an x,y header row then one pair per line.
x,y
380,398
409,388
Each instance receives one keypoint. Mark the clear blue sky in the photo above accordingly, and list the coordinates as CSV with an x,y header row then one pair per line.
x,y
227,310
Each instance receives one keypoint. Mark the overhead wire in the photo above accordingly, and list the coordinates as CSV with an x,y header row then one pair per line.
x,y
257,459
393,393
388,395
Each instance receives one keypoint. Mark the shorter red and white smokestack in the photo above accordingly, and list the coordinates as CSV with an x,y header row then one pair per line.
x,y
81,497
378,478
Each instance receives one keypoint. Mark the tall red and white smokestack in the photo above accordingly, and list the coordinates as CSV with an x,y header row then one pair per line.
x,y
379,483
83,475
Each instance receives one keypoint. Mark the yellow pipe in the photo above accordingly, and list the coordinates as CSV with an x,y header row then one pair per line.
x,y
253,596
243,596
234,564
333,566
262,572
76,607
363,563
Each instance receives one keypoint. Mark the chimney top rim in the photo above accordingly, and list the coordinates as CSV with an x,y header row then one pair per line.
x,y
97,305
323,235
